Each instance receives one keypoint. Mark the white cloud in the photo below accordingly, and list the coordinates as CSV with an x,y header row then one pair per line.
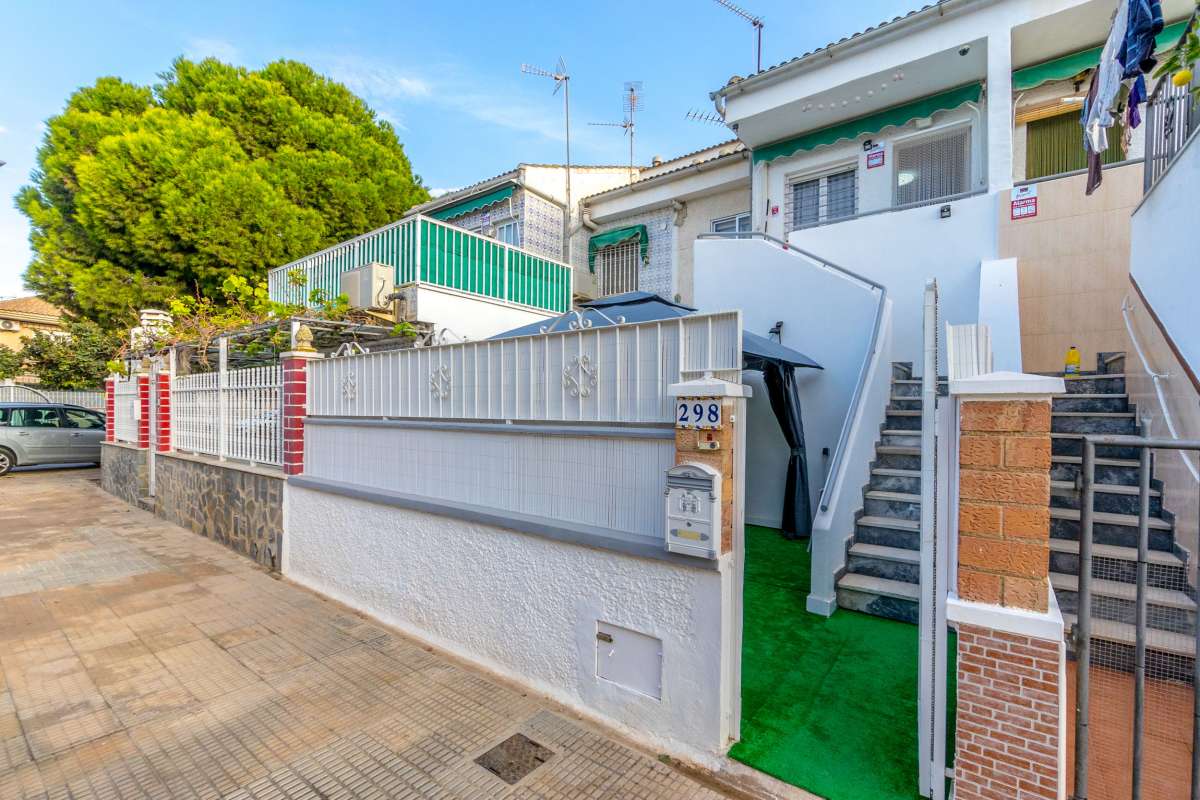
x,y
440,192
3,130
198,48
378,81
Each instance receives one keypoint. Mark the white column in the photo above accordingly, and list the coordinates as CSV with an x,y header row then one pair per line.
x,y
999,111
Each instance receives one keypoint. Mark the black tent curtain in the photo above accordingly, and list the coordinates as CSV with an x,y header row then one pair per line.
x,y
784,395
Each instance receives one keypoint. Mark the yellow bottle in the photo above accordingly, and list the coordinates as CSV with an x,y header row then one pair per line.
x,y
1072,361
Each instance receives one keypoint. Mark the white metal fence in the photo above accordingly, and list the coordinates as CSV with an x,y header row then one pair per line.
x,y
612,374
127,409
18,393
230,414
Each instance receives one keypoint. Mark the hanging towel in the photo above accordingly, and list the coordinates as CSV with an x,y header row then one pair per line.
x,y
1108,83
1137,96
1144,22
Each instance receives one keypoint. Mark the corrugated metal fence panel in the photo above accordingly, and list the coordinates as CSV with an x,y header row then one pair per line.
x,y
613,374
610,483
126,406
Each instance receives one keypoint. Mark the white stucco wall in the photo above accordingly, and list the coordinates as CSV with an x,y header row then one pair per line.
x,y
825,316
1164,259
902,249
1000,310
701,212
470,316
526,607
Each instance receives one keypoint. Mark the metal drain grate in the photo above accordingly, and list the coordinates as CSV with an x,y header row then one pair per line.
x,y
514,758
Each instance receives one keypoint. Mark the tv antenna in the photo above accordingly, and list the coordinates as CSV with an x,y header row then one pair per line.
x,y
562,80
701,116
632,101
755,21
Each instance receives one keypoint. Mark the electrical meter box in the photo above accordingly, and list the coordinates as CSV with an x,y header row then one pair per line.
x,y
694,510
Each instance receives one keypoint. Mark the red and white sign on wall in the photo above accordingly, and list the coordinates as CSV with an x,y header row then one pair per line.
x,y
1024,202
875,159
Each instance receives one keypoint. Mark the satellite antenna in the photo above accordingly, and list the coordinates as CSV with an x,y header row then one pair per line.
x,y
561,81
632,101
700,116
755,21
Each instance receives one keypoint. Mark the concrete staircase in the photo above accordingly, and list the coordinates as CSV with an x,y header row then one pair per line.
x,y
883,561
1098,403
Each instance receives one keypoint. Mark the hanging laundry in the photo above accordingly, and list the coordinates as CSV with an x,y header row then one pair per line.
x,y
1137,96
1097,116
1144,23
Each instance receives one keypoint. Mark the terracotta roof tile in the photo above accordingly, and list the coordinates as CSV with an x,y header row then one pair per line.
x,y
31,305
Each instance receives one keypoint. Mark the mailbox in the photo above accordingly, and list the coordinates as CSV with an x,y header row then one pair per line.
x,y
694,510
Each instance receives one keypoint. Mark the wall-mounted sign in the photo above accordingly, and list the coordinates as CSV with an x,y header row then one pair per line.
x,y
1024,202
774,211
698,412
875,159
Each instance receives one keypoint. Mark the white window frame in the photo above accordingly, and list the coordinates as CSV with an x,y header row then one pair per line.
x,y
936,131
738,220
516,226
821,174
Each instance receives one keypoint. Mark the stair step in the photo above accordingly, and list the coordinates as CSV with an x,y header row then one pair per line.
x,y
898,554
1126,634
1108,414
1110,488
897,450
892,472
1091,395
1089,376
900,497
1114,552
903,412
884,587
900,432
890,522
1157,596
1105,518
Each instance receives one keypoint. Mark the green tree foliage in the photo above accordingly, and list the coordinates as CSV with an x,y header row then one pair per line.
x,y
76,358
143,194
10,362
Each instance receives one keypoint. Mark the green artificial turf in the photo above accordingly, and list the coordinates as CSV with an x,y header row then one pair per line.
x,y
829,705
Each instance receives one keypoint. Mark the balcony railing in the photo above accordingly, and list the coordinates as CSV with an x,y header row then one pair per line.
x,y
425,250
1172,116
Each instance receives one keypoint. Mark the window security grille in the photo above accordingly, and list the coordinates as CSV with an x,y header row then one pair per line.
x,y
739,223
617,268
821,199
933,166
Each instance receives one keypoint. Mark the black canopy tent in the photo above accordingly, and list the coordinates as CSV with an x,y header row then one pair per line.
x,y
777,362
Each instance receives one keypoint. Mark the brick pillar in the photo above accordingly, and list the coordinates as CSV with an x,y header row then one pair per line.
x,y
1011,652
697,445
110,409
144,397
162,397
295,408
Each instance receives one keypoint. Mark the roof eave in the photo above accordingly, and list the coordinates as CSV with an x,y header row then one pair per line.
x,y
679,172
871,38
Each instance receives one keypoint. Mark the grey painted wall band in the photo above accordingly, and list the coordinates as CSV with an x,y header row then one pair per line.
x,y
641,431
556,530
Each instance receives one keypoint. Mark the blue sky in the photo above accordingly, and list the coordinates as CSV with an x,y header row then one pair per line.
x,y
446,74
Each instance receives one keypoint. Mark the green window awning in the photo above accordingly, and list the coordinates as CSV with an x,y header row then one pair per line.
x,y
617,236
1059,69
872,123
474,204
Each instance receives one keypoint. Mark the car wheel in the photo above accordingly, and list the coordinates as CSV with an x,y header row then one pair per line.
x,y
7,461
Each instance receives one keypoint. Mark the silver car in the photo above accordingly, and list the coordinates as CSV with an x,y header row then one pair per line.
x,y
48,433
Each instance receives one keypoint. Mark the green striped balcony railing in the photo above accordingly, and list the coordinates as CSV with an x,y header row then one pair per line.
x,y
425,250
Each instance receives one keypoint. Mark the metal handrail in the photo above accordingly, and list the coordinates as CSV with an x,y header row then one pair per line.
x,y
1155,378
873,346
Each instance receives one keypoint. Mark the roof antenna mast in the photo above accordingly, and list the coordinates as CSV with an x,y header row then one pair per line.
x,y
562,80
632,101
755,21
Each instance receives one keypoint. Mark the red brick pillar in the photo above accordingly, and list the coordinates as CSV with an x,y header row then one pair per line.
x,y
295,408
110,409
144,398
1011,708
162,396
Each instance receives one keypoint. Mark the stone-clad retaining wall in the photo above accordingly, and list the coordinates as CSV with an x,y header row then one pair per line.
x,y
123,471
237,505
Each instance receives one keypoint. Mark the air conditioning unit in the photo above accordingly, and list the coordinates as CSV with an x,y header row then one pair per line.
x,y
368,286
9,325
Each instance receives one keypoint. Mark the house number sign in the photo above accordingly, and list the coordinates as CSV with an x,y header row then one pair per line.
x,y
698,413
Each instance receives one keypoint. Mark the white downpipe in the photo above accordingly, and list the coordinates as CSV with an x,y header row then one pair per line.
x,y
1156,378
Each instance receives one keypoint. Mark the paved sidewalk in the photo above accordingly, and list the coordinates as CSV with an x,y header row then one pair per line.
x,y
140,660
